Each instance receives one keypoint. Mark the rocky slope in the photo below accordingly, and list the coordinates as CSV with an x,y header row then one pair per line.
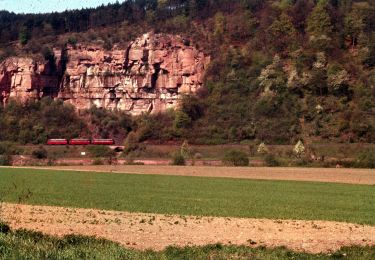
x,y
150,75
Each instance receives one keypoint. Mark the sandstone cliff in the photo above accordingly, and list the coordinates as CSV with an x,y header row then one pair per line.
x,y
150,75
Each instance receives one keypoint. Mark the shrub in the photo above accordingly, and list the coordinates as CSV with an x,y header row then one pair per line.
x,y
299,149
8,148
301,162
185,149
40,153
366,159
100,151
235,158
271,160
97,161
5,160
4,228
131,143
262,149
178,159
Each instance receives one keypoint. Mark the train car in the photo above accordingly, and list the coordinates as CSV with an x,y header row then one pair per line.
x,y
57,141
79,141
102,141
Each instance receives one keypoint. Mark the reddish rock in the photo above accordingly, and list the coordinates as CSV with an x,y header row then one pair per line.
x,y
149,76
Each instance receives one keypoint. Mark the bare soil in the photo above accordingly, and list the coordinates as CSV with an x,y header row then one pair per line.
x,y
155,231
340,175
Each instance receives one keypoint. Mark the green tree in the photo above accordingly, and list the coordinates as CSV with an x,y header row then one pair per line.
x,y
23,35
319,25
182,120
282,34
354,26
219,26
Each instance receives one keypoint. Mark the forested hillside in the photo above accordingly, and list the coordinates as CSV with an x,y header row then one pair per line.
x,y
280,70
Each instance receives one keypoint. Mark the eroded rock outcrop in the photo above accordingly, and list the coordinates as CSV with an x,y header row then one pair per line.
x,y
150,75
24,79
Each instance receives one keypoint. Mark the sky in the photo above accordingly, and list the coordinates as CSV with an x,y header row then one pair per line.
x,y
47,6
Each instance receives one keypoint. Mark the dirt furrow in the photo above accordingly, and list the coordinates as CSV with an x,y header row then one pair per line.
x,y
156,231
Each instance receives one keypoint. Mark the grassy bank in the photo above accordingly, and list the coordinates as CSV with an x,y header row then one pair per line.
x,y
190,195
31,245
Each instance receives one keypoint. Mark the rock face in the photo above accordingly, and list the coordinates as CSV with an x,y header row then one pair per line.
x,y
150,75
24,79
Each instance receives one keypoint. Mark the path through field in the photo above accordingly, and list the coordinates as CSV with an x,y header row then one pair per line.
x,y
341,175
156,231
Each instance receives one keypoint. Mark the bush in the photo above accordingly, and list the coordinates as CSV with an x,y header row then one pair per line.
x,y
236,158
9,148
131,143
97,161
100,151
40,153
302,162
366,159
5,160
271,160
178,159
4,228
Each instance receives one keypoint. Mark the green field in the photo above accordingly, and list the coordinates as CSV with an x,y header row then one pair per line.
x,y
190,195
31,245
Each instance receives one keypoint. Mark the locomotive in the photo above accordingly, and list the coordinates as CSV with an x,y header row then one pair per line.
x,y
80,141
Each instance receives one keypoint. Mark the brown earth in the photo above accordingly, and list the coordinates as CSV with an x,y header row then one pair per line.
x,y
341,175
155,231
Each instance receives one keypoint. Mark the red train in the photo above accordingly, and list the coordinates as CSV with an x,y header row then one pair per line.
x,y
57,141
80,141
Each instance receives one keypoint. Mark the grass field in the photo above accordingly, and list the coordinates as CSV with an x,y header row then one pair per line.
x,y
31,245
190,195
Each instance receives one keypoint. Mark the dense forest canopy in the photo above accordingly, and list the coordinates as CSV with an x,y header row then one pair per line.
x,y
280,70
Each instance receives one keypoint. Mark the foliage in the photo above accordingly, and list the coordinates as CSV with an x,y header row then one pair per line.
x,y
35,122
4,228
319,21
236,158
100,151
323,51
262,148
5,160
8,148
34,245
131,143
40,153
178,159
97,161
366,159
185,150
282,33
299,149
271,160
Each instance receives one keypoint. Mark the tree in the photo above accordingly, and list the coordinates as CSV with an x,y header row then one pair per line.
x,y
23,36
242,25
182,120
299,13
319,26
262,149
185,149
353,26
282,34
273,78
219,27
299,149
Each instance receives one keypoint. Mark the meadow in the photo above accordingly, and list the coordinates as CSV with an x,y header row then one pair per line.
x,y
190,195
32,245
